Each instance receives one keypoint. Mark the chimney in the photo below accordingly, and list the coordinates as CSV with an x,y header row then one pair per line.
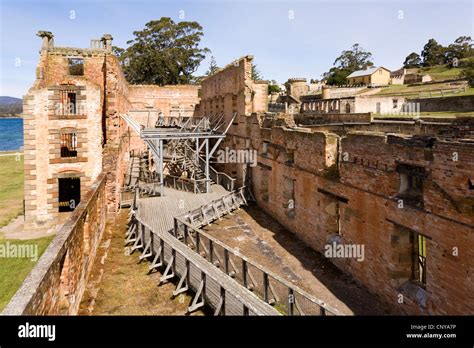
x,y
48,41
107,42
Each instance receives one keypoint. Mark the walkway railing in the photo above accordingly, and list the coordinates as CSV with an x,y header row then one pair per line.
x,y
219,178
185,184
191,272
271,288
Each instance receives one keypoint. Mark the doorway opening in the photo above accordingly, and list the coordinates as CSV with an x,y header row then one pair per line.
x,y
69,193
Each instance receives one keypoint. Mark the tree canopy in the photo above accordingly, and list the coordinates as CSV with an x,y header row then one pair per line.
x,y
213,68
356,58
468,72
434,53
164,52
256,74
413,60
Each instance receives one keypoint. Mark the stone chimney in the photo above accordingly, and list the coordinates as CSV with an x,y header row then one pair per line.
x,y
107,42
48,41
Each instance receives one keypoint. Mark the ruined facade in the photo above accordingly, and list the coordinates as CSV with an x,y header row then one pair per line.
x,y
402,189
73,130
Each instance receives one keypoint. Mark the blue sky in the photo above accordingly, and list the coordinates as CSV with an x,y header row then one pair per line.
x,y
287,38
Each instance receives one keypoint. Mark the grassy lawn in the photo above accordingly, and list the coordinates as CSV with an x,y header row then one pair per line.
x,y
414,91
442,72
11,188
13,270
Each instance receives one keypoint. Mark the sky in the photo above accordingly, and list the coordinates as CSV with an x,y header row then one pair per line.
x,y
286,38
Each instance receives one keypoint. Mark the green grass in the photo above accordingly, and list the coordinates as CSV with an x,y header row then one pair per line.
x,y
11,188
13,270
442,72
414,91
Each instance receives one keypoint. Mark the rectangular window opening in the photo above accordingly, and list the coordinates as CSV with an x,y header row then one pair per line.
x,y
69,144
76,66
418,243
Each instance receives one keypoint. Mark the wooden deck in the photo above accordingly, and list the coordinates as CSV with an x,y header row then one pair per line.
x,y
159,212
151,224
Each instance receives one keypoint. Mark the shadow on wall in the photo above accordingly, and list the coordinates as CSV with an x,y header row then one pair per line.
x,y
352,294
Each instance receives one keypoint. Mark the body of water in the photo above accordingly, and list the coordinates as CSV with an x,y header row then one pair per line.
x,y
11,134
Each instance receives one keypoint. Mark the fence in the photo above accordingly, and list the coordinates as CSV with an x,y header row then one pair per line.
x,y
271,288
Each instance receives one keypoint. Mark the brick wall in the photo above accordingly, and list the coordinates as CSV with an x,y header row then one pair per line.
x,y
57,282
347,185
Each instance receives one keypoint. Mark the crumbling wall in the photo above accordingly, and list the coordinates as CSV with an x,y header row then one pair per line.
x,y
45,119
179,100
344,189
232,90
57,282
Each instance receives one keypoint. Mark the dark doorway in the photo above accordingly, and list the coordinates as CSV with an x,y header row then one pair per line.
x,y
69,193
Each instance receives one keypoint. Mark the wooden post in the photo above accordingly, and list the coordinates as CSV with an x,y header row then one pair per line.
x,y
244,272
185,234
211,248
198,242
265,287
226,261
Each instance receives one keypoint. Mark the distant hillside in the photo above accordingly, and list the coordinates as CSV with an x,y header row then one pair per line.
x,y
10,106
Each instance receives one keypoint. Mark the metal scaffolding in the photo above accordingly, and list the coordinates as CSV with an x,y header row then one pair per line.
x,y
198,131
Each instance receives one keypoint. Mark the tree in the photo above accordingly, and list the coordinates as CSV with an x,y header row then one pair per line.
x,y
468,72
213,68
433,53
413,60
164,52
337,76
461,48
256,75
273,87
356,58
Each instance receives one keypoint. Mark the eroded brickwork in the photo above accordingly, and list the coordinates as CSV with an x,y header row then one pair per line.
x,y
347,179
340,178
85,103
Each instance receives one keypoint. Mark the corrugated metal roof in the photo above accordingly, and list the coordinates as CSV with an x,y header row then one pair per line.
x,y
359,73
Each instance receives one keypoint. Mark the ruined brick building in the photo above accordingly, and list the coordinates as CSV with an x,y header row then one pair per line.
x,y
404,189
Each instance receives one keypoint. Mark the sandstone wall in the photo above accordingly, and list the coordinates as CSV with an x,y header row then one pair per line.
x,y
57,282
44,120
322,186
458,104
232,90
171,100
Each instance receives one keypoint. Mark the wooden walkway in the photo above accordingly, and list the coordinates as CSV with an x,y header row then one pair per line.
x,y
167,231
158,212
152,220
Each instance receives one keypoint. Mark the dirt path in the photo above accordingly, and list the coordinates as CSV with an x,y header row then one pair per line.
x,y
119,284
261,238
16,230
